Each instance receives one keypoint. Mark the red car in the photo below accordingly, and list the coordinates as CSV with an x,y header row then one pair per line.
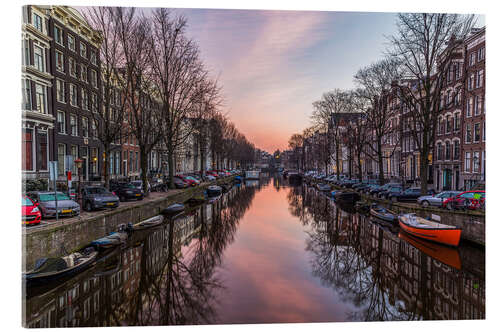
x,y
466,200
30,212
187,180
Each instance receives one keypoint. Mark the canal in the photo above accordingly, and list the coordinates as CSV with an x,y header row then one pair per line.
x,y
267,252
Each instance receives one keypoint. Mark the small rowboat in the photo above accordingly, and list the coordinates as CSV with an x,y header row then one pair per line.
x,y
113,239
50,269
383,213
214,190
430,230
149,223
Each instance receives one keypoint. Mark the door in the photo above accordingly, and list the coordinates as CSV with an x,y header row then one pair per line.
x,y
447,179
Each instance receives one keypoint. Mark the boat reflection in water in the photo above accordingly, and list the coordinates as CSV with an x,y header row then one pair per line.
x,y
390,276
269,251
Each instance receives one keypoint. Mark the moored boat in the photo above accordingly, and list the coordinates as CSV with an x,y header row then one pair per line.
x,y
149,223
214,190
346,196
48,270
383,213
430,230
113,239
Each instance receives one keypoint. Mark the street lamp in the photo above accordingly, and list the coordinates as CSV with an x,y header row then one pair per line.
x,y
78,163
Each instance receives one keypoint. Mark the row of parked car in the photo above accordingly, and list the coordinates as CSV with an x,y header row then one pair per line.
x,y
395,192
42,204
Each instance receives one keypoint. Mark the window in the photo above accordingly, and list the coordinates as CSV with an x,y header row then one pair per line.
x,y
72,67
458,98
136,161
83,50
58,35
93,78
26,52
93,57
93,152
458,70
480,54
467,162
477,132
469,107
27,159
41,151
72,94
85,99
476,162
61,122
94,129
59,61
477,105
73,125
85,127
41,98
484,131
94,102
447,151
470,84
472,58
468,133
456,117
38,57
456,150
480,78
27,97
83,72
448,123
61,152
71,42
439,151
61,94
74,155
38,22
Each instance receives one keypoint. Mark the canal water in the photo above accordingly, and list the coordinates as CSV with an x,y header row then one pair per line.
x,y
267,252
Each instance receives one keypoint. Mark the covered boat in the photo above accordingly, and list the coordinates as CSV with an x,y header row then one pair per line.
x,y
149,223
214,190
346,196
430,230
113,239
48,270
323,187
383,213
173,209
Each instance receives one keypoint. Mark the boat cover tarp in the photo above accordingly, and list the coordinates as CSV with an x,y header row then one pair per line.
x,y
50,265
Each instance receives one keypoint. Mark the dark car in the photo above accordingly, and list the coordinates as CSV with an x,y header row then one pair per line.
x,y
97,197
410,194
377,190
47,204
126,191
138,184
180,183
391,190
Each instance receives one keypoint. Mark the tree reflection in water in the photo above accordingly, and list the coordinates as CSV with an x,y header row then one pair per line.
x,y
383,277
177,283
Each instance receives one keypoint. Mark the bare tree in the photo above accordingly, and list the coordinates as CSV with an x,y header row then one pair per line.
x,y
296,145
142,104
424,45
374,82
179,76
110,116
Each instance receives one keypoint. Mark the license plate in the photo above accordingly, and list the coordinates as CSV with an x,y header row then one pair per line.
x,y
110,204
66,211
137,195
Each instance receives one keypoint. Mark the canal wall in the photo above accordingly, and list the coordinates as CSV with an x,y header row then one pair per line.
x,y
60,239
473,223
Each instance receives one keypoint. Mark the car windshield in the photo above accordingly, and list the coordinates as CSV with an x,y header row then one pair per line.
x,y
51,197
137,184
128,186
27,202
97,190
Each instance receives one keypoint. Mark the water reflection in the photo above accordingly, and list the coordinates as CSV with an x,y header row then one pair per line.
x,y
385,276
165,276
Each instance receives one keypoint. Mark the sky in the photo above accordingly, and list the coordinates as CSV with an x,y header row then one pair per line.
x,y
272,65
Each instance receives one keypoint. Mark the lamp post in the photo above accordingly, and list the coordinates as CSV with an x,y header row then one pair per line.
x,y
78,163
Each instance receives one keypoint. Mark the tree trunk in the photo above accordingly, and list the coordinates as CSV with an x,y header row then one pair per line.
x,y
105,163
337,160
360,176
424,170
144,167
380,162
170,167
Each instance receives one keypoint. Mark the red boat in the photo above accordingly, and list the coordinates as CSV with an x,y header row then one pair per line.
x,y
430,230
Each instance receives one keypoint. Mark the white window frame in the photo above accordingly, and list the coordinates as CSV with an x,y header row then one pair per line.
x,y
61,55
44,97
83,50
71,37
61,42
60,85
70,60
63,122
73,129
73,92
42,55
85,127
84,69
34,14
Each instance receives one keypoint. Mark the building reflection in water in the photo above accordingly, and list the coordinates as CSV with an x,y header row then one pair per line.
x,y
164,276
385,277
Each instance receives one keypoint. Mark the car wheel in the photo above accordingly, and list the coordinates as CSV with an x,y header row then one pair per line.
x,y
88,206
449,206
425,203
